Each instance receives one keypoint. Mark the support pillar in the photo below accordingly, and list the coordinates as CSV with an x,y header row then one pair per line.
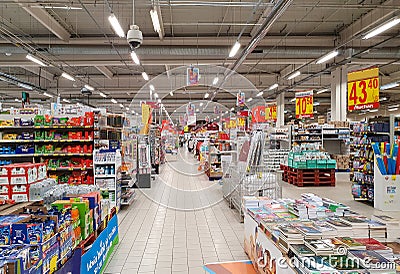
x,y
280,110
339,94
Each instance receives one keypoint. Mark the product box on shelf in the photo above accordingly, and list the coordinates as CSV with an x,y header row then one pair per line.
x,y
18,260
5,227
34,230
85,214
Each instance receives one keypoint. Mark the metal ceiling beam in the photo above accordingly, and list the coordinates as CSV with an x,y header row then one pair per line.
x,y
47,21
369,20
262,17
298,41
38,71
106,72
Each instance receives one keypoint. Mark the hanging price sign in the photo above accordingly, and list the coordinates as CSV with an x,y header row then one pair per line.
x,y
270,113
304,104
241,122
363,89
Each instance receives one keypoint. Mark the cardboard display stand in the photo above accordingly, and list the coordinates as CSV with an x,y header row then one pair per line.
x,y
386,191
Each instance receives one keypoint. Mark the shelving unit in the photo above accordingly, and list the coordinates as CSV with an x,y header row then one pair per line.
x,y
66,148
277,146
362,156
155,148
107,165
307,134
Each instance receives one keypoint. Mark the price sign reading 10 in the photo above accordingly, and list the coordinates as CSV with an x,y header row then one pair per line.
x,y
304,105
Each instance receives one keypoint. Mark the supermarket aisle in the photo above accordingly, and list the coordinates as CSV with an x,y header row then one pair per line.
x,y
171,237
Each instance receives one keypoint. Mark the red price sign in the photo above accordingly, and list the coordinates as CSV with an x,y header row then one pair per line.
x,y
363,89
304,104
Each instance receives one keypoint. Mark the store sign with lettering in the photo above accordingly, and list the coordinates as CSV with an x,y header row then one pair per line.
x,y
304,104
363,89
95,259
270,113
241,122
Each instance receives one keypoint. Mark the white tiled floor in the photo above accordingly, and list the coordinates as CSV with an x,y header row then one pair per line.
x,y
182,222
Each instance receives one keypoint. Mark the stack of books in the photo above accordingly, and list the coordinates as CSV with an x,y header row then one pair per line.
x,y
343,228
359,225
373,262
326,229
392,226
249,202
375,245
325,246
377,230
308,230
288,235
351,244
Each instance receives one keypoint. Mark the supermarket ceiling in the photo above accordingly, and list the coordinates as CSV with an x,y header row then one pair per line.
x,y
76,37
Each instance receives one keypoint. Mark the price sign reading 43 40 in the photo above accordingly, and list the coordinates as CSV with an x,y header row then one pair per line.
x,y
363,89
304,104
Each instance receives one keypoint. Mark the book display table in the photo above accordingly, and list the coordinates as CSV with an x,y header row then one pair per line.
x,y
317,235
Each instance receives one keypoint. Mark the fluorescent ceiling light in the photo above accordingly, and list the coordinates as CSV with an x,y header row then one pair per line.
x,y
197,110
116,25
159,100
145,76
327,57
35,60
285,111
47,94
17,100
171,93
215,81
226,112
89,87
133,111
232,109
127,108
394,106
201,104
156,95
389,24
382,99
373,110
260,94
322,90
316,103
294,75
293,100
25,86
57,7
152,87
274,86
155,20
114,101
206,95
390,85
235,48
249,100
121,105
66,101
67,76
393,109
102,95
135,59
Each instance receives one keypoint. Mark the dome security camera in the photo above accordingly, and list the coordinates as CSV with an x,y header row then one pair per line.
x,y
134,37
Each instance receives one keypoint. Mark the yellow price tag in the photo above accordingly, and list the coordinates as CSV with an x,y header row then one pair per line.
x,y
304,104
363,89
270,113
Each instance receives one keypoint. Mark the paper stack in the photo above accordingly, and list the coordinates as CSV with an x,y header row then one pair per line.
x,y
392,226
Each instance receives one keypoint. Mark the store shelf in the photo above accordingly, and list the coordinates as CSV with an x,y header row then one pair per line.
x,y
105,175
44,141
45,155
130,201
70,169
307,140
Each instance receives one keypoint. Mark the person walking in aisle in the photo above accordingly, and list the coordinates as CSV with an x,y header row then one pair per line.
x,y
190,144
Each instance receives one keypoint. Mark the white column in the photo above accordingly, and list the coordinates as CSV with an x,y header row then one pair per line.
x,y
280,110
339,94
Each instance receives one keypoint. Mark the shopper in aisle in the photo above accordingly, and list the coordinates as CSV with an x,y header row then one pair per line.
x,y
191,144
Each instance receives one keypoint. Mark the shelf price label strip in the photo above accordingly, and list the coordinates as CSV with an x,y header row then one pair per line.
x,y
304,104
363,89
